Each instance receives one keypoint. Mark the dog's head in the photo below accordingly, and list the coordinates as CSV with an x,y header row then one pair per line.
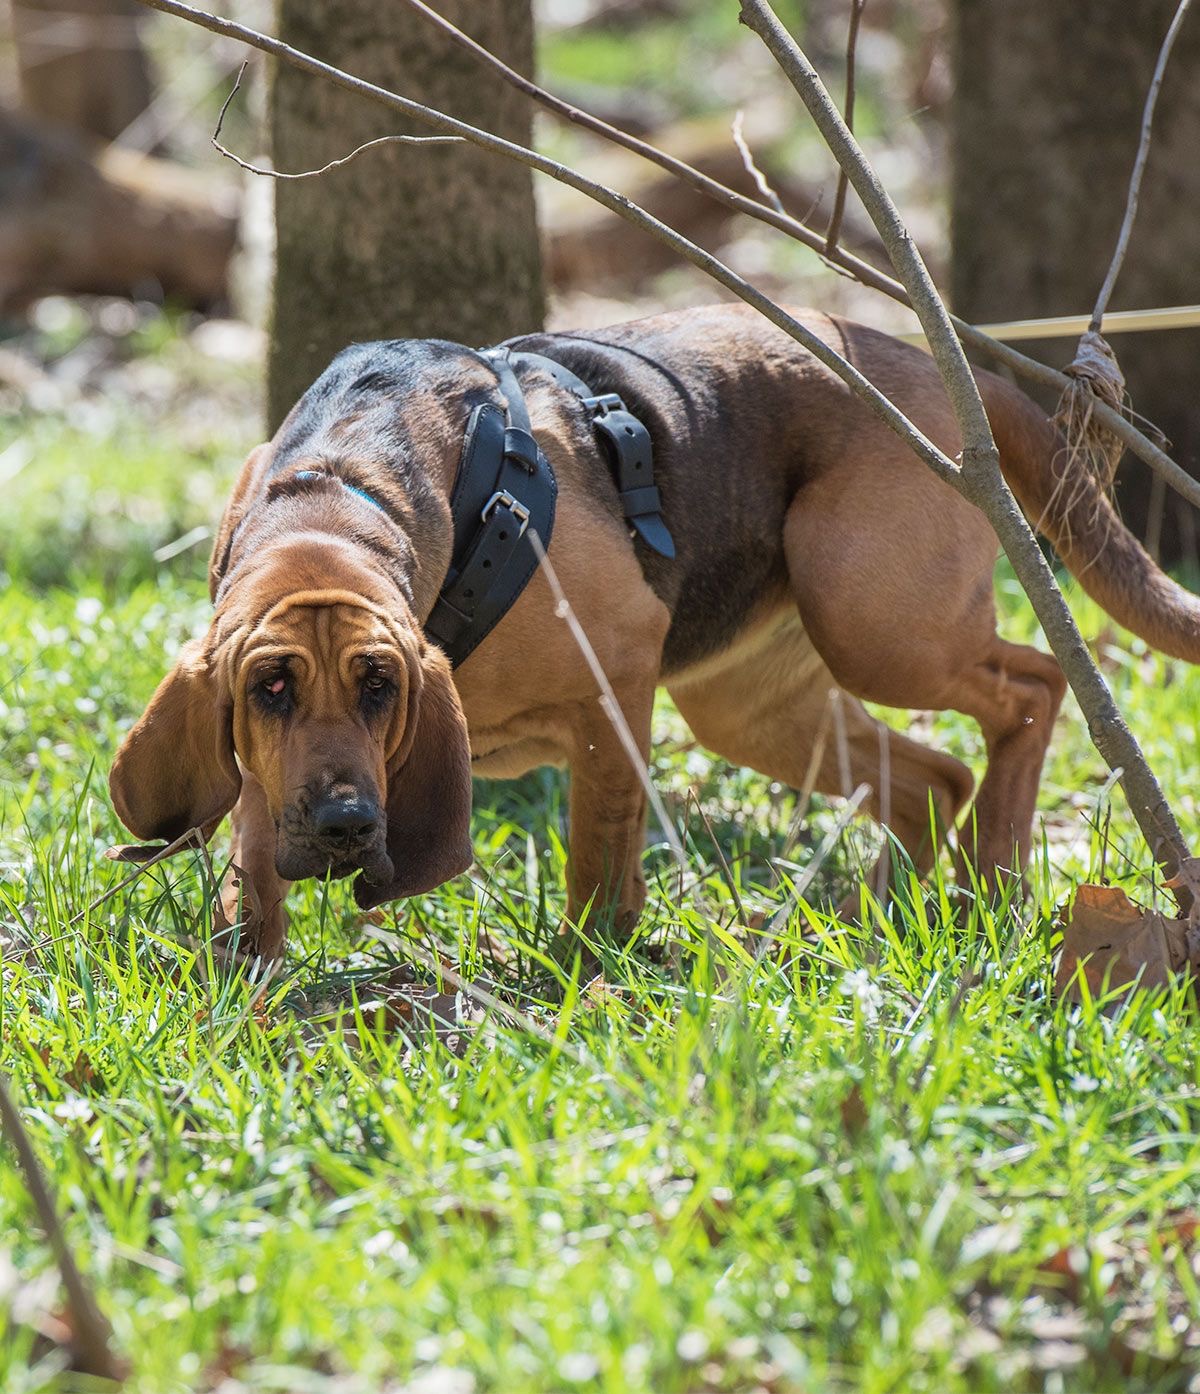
x,y
318,681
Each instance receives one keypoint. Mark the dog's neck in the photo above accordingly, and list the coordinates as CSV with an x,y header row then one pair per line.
x,y
344,530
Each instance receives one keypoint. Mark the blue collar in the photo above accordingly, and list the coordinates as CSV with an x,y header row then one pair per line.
x,y
320,474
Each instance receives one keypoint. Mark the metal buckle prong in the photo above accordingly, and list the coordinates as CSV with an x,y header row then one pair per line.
x,y
602,404
514,506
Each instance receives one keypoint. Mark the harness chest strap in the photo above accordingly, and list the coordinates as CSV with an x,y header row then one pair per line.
x,y
505,486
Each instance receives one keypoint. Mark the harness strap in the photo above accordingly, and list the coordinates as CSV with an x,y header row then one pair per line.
x,y
504,487
629,449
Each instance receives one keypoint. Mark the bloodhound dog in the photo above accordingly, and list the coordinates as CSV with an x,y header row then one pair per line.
x,y
813,551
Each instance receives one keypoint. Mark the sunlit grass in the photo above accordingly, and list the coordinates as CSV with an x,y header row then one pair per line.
x,y
835,1164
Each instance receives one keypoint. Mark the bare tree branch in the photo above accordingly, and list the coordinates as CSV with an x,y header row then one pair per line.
x,y
752,169
1139,169
868,275
839,201
624,207
978,447
324,169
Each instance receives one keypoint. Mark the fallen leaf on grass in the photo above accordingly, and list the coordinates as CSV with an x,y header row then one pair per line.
x,y
853,1110
1115,945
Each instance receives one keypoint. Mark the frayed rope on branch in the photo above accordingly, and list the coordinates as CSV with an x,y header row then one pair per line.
x,y
1095,376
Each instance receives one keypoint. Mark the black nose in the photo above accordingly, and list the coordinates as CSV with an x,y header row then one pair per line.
x,y
346,820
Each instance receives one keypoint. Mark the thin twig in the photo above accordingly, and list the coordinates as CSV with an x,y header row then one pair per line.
x,y
885,809
809,874
333,164
1139,169
90,1331
752,169
196,834
839,200
609,704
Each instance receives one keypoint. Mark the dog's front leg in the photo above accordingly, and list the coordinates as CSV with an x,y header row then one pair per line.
x,y
608,813
253,892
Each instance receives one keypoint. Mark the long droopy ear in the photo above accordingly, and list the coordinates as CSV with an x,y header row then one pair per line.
x,y
176,768
429,793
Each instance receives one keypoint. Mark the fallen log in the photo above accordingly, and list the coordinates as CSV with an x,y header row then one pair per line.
x,y
74,220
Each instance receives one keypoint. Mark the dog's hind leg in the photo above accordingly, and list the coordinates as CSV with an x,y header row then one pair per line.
x,y
771,709
1014,693
893,578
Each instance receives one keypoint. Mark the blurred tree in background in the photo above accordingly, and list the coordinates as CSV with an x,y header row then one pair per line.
x,y
1045,126
82,64
409,241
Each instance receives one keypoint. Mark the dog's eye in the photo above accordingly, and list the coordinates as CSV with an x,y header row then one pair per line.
x,y
274,692
377,690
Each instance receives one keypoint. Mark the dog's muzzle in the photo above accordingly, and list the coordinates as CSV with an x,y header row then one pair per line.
x,y
333,837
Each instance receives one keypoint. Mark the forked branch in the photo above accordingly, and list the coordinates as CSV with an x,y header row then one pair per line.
x,y
862,271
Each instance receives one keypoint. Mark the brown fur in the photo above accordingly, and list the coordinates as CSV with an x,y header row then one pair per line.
x,y
815,553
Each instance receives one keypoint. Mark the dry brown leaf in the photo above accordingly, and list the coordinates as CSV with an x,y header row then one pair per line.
x,y
853,1110
1187,878
1116,944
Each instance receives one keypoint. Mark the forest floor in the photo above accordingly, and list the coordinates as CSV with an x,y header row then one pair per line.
x,y
863,1159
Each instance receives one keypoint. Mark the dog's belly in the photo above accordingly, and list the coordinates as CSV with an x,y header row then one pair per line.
x,y
774,635
495,756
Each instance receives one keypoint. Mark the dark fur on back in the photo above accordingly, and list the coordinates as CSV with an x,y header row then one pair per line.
x,y
724,563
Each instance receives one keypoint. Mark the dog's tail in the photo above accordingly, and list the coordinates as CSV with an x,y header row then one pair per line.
x,y
1067,505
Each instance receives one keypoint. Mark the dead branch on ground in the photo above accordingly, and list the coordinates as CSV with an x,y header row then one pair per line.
x,y
90,1332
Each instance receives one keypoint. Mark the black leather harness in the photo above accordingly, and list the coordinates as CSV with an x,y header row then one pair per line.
x,y
505,488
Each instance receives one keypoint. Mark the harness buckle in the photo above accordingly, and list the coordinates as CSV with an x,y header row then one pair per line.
x,y
604,403
503,499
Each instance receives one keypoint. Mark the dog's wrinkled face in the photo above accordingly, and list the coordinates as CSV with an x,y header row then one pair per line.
x,y
320,708
337,706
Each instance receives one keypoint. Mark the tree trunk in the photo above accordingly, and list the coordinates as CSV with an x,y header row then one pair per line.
x,y
436,241
81,63
1046,120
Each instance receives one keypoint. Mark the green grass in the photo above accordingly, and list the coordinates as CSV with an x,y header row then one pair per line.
x,y
881,1159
